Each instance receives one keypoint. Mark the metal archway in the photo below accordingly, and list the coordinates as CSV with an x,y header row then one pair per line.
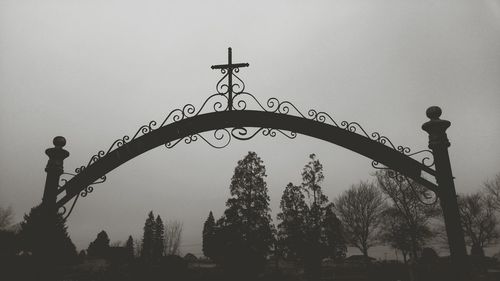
x,y
233,113
239,122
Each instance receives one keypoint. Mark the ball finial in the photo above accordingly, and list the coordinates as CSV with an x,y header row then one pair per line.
x,y
433,112
59,141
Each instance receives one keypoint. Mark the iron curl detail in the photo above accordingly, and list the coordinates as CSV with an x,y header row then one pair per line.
x,y
63,179
221,87
145,129
241,133
427,160
117,143
86,191
189,139
219,103
172,144
221,138
282,107
425,196
96,157
240,85
321,117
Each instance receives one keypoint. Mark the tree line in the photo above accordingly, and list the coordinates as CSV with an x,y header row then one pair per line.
x,y
158,240
390,210
244,237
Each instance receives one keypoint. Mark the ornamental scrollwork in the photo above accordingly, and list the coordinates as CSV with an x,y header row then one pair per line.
x,y
221,138
245,101
424,195
230,95
65,177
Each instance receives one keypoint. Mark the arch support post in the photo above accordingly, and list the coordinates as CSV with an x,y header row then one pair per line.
x,y
439,143
49,208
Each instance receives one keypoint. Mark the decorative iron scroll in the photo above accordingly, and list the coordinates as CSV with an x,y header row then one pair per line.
x,y
425,196
222,137
241,100
64,179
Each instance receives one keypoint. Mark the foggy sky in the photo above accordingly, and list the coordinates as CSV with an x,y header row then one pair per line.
x,y
94,71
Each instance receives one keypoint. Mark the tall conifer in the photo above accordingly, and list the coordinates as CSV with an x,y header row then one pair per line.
x,y
129,245
148,237
310,232
208,236
159,242
245,232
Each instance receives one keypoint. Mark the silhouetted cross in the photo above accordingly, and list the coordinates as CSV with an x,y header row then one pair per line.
x,y
229,67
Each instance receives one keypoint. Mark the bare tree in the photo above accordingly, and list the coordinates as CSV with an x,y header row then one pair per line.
x,y
137,247
493,189
173,235
6,216
413,214
360,209
407,238
478,220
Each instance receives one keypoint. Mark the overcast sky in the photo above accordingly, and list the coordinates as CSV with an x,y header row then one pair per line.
x,y
94,71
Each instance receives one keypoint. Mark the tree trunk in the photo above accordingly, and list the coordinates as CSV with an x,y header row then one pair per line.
x,y
413,262
365,252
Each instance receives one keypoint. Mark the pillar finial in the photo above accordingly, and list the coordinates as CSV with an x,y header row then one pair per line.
x,y
433,112
54,169
59,141
436,128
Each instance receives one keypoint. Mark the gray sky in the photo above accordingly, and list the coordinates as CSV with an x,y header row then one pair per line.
x,y
94,71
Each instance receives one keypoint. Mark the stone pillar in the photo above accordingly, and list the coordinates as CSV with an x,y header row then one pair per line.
x,y
54,170
438,143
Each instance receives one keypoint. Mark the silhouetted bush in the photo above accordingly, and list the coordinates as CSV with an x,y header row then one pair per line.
x,y
45,236
99,248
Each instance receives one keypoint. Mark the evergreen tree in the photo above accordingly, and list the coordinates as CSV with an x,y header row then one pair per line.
x,y
310,232
129,245
245,231
312,176
293,217
323,232
158,242
100,246
148,237
333,234
46,237
208,236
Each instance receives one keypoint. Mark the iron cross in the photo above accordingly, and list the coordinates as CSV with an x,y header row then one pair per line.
x,y
229,67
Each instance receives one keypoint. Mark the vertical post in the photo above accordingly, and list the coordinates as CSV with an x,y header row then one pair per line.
x,y
54,170
230,78
438,142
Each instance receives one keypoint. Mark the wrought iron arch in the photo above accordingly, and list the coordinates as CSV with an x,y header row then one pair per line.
x,y
233,113
188,125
